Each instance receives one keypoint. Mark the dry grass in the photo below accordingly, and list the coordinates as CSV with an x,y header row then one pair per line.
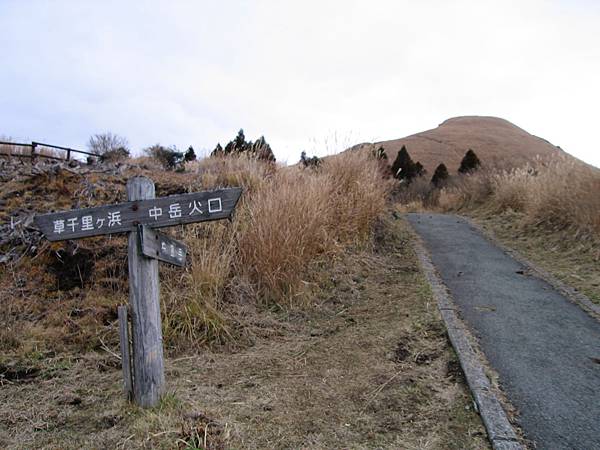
x,y
354,354
368,366
558,195
303,215
549,211
290,225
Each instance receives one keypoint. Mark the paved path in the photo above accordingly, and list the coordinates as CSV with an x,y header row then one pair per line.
x,y
541,345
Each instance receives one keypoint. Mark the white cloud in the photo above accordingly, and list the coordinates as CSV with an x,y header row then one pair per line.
x,y
305,74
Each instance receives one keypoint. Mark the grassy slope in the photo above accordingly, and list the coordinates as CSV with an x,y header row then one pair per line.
x,y
366,365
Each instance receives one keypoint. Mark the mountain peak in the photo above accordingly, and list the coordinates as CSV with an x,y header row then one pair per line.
x,y
496,141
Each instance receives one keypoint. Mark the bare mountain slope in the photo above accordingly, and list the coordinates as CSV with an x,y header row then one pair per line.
x,y
496,141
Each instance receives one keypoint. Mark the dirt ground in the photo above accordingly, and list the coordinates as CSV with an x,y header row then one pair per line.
x,y
368,365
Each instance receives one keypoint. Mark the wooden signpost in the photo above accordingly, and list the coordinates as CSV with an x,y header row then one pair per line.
x,y
159,246
140,217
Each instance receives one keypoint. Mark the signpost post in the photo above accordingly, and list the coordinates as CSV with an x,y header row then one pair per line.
x,y
140,217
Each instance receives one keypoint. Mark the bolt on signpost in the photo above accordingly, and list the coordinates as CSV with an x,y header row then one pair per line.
x,y
140,217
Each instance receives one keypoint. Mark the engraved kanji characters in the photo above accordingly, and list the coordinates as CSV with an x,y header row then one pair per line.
x,y
72,223
174,211
87,223
155,212
214,205
114,218
195,207
59,226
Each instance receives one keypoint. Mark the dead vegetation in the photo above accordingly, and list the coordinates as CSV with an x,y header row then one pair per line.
x,y
289,223
304,323
548,210
365,365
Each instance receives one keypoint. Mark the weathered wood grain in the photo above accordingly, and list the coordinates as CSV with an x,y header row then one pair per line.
x,y
125,355
148,365
158,245
124,217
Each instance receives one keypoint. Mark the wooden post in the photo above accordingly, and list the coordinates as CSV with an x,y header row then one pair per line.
x,y
33,145
125,356
148,365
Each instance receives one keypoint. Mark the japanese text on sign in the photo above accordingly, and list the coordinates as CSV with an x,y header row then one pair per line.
x,y
113,218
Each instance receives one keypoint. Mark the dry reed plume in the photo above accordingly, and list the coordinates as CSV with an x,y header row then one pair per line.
x,y
556,195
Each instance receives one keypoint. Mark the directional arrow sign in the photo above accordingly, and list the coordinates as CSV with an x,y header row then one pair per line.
x,y
159,246
155,213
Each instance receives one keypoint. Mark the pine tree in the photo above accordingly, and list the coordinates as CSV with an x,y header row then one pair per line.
x,y
190,154
262,150
312,161
259,149
469,163
218,151
440,176
239,143
403,168
419,169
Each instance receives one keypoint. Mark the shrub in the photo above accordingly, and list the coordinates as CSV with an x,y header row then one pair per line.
x,y
190,155
440,176
169,158
108,144
312,161
469,163
118,154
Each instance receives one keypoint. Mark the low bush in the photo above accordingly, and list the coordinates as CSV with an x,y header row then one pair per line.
x,y
169,158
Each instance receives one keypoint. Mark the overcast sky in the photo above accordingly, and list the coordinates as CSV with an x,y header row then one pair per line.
x,y
309,75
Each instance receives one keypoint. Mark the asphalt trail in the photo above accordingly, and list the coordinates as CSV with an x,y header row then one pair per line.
x,y
542,346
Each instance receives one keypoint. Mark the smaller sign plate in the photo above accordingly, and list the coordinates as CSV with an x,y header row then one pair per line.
x,y
157,245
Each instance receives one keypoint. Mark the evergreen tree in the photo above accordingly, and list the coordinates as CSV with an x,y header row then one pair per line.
x,y
469,163
313,161
190,154
239,143
419,169
440,176
218,151
403,167
262,150
259,149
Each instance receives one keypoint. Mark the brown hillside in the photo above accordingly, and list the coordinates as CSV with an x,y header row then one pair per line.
x,y
496,141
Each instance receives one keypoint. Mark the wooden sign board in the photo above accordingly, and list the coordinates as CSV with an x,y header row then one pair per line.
x,y
140,216
155,213
157,245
